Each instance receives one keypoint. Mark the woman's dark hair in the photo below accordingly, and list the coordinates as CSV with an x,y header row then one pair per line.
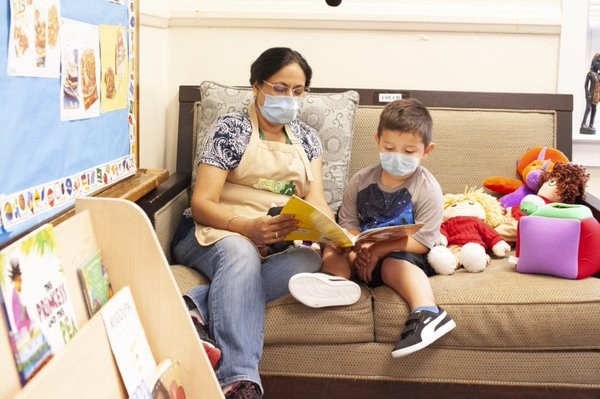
x,y
275,58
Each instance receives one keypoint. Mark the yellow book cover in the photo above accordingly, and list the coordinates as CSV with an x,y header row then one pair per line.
x,y
314,225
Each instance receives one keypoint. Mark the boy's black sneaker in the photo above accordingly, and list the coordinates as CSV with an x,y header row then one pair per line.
x,y
421,329
244,390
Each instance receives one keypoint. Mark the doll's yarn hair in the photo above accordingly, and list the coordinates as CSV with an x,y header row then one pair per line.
x,y
571,180
494,213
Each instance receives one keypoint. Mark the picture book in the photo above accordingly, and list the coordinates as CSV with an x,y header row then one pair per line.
x,y
94,283
168,383
314,225
128,340
37,304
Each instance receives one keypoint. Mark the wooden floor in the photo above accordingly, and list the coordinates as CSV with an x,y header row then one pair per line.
x,y
305,388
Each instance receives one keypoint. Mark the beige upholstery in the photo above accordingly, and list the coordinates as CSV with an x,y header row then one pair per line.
x,y
470,144
164,217
512,328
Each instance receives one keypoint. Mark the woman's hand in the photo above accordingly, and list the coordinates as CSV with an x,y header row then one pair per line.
x,y
267,230
365,262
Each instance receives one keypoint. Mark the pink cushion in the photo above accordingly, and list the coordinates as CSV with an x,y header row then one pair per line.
x,y
565,248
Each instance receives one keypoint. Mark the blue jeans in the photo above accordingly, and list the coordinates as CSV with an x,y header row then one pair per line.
x,y
233,305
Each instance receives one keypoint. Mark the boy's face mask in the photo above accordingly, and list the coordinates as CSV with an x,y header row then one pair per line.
x,y
280,110
398,164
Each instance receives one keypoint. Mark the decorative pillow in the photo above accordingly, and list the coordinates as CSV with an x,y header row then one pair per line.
x,y
559,240
330,114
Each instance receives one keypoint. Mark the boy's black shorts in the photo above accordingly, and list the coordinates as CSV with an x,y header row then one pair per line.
x,y
419,260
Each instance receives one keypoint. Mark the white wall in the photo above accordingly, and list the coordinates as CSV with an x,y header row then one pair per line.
x,y
154,84
536,46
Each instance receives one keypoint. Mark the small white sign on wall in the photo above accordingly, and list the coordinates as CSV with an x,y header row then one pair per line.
x,y
389,97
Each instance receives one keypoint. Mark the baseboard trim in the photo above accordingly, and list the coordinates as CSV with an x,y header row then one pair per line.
x,y
321,388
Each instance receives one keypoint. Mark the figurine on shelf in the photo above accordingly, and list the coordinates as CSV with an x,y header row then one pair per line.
x,y
592,95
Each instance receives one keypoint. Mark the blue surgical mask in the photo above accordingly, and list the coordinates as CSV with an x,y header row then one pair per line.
x,y
398,164
280,110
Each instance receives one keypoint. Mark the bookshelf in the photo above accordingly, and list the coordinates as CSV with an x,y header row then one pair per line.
x,y
133,257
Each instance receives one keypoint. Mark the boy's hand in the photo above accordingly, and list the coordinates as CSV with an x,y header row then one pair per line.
x,y
365,263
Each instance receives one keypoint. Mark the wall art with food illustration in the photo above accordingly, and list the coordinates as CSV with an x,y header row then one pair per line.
x,y
34,46
81,70
115,71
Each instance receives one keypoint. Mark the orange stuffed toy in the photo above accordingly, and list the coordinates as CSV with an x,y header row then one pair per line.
x,y
529,168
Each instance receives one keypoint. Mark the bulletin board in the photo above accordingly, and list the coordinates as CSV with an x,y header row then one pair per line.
x,y
68,119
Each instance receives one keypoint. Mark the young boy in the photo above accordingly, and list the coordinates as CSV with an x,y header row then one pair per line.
x,y
397,191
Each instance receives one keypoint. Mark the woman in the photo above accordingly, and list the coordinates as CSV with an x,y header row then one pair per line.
x,y
251,162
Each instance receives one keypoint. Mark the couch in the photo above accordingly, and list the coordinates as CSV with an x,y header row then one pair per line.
x,y
517,334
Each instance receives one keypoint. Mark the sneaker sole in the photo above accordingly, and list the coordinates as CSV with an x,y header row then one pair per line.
x,y
439,333
318,290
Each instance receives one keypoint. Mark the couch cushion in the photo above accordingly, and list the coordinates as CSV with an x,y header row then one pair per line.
x,y
502,309
290,322
330,114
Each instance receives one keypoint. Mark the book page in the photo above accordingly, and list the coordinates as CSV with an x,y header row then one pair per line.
x,y
387,233
314,225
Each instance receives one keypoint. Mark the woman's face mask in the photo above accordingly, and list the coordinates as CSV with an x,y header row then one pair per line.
x,y
280,110
398,164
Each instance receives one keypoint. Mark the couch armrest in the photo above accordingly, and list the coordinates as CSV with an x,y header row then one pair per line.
x,y
593,203
164,206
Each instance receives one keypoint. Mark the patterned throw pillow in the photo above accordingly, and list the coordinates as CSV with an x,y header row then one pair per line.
x,y
331,114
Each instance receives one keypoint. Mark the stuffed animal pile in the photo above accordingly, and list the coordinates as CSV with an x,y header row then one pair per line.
x,y
530,168
476,222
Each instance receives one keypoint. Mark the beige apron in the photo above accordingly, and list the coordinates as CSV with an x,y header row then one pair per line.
x,y
266,168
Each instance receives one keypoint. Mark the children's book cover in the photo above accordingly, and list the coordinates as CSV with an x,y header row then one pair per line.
x,y
94,283
128,340
37,307
169,381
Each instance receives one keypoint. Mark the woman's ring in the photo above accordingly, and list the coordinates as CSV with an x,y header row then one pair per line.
x,y
276,235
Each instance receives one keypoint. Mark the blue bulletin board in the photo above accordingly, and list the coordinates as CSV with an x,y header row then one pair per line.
x,y
51,153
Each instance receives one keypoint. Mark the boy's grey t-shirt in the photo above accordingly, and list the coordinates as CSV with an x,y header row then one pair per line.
x,y
368,203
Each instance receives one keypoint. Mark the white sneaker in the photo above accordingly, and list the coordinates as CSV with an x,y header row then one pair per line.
x,y
318,290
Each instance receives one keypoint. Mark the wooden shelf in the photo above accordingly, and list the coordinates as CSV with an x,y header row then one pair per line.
x,y
135,187
133,257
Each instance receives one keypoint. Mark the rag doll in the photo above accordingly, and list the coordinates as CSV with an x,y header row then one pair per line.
x,y
467,233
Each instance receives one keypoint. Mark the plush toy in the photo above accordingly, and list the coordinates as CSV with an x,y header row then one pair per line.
x,y
467,233
529,168
566,183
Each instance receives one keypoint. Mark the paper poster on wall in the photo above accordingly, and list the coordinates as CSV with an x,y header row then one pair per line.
x,y
115,71
34,47
81,70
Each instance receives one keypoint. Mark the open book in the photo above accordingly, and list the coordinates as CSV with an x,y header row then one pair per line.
x,y
314,225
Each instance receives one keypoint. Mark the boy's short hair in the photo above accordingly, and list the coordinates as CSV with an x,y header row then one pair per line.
x,y
409,116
